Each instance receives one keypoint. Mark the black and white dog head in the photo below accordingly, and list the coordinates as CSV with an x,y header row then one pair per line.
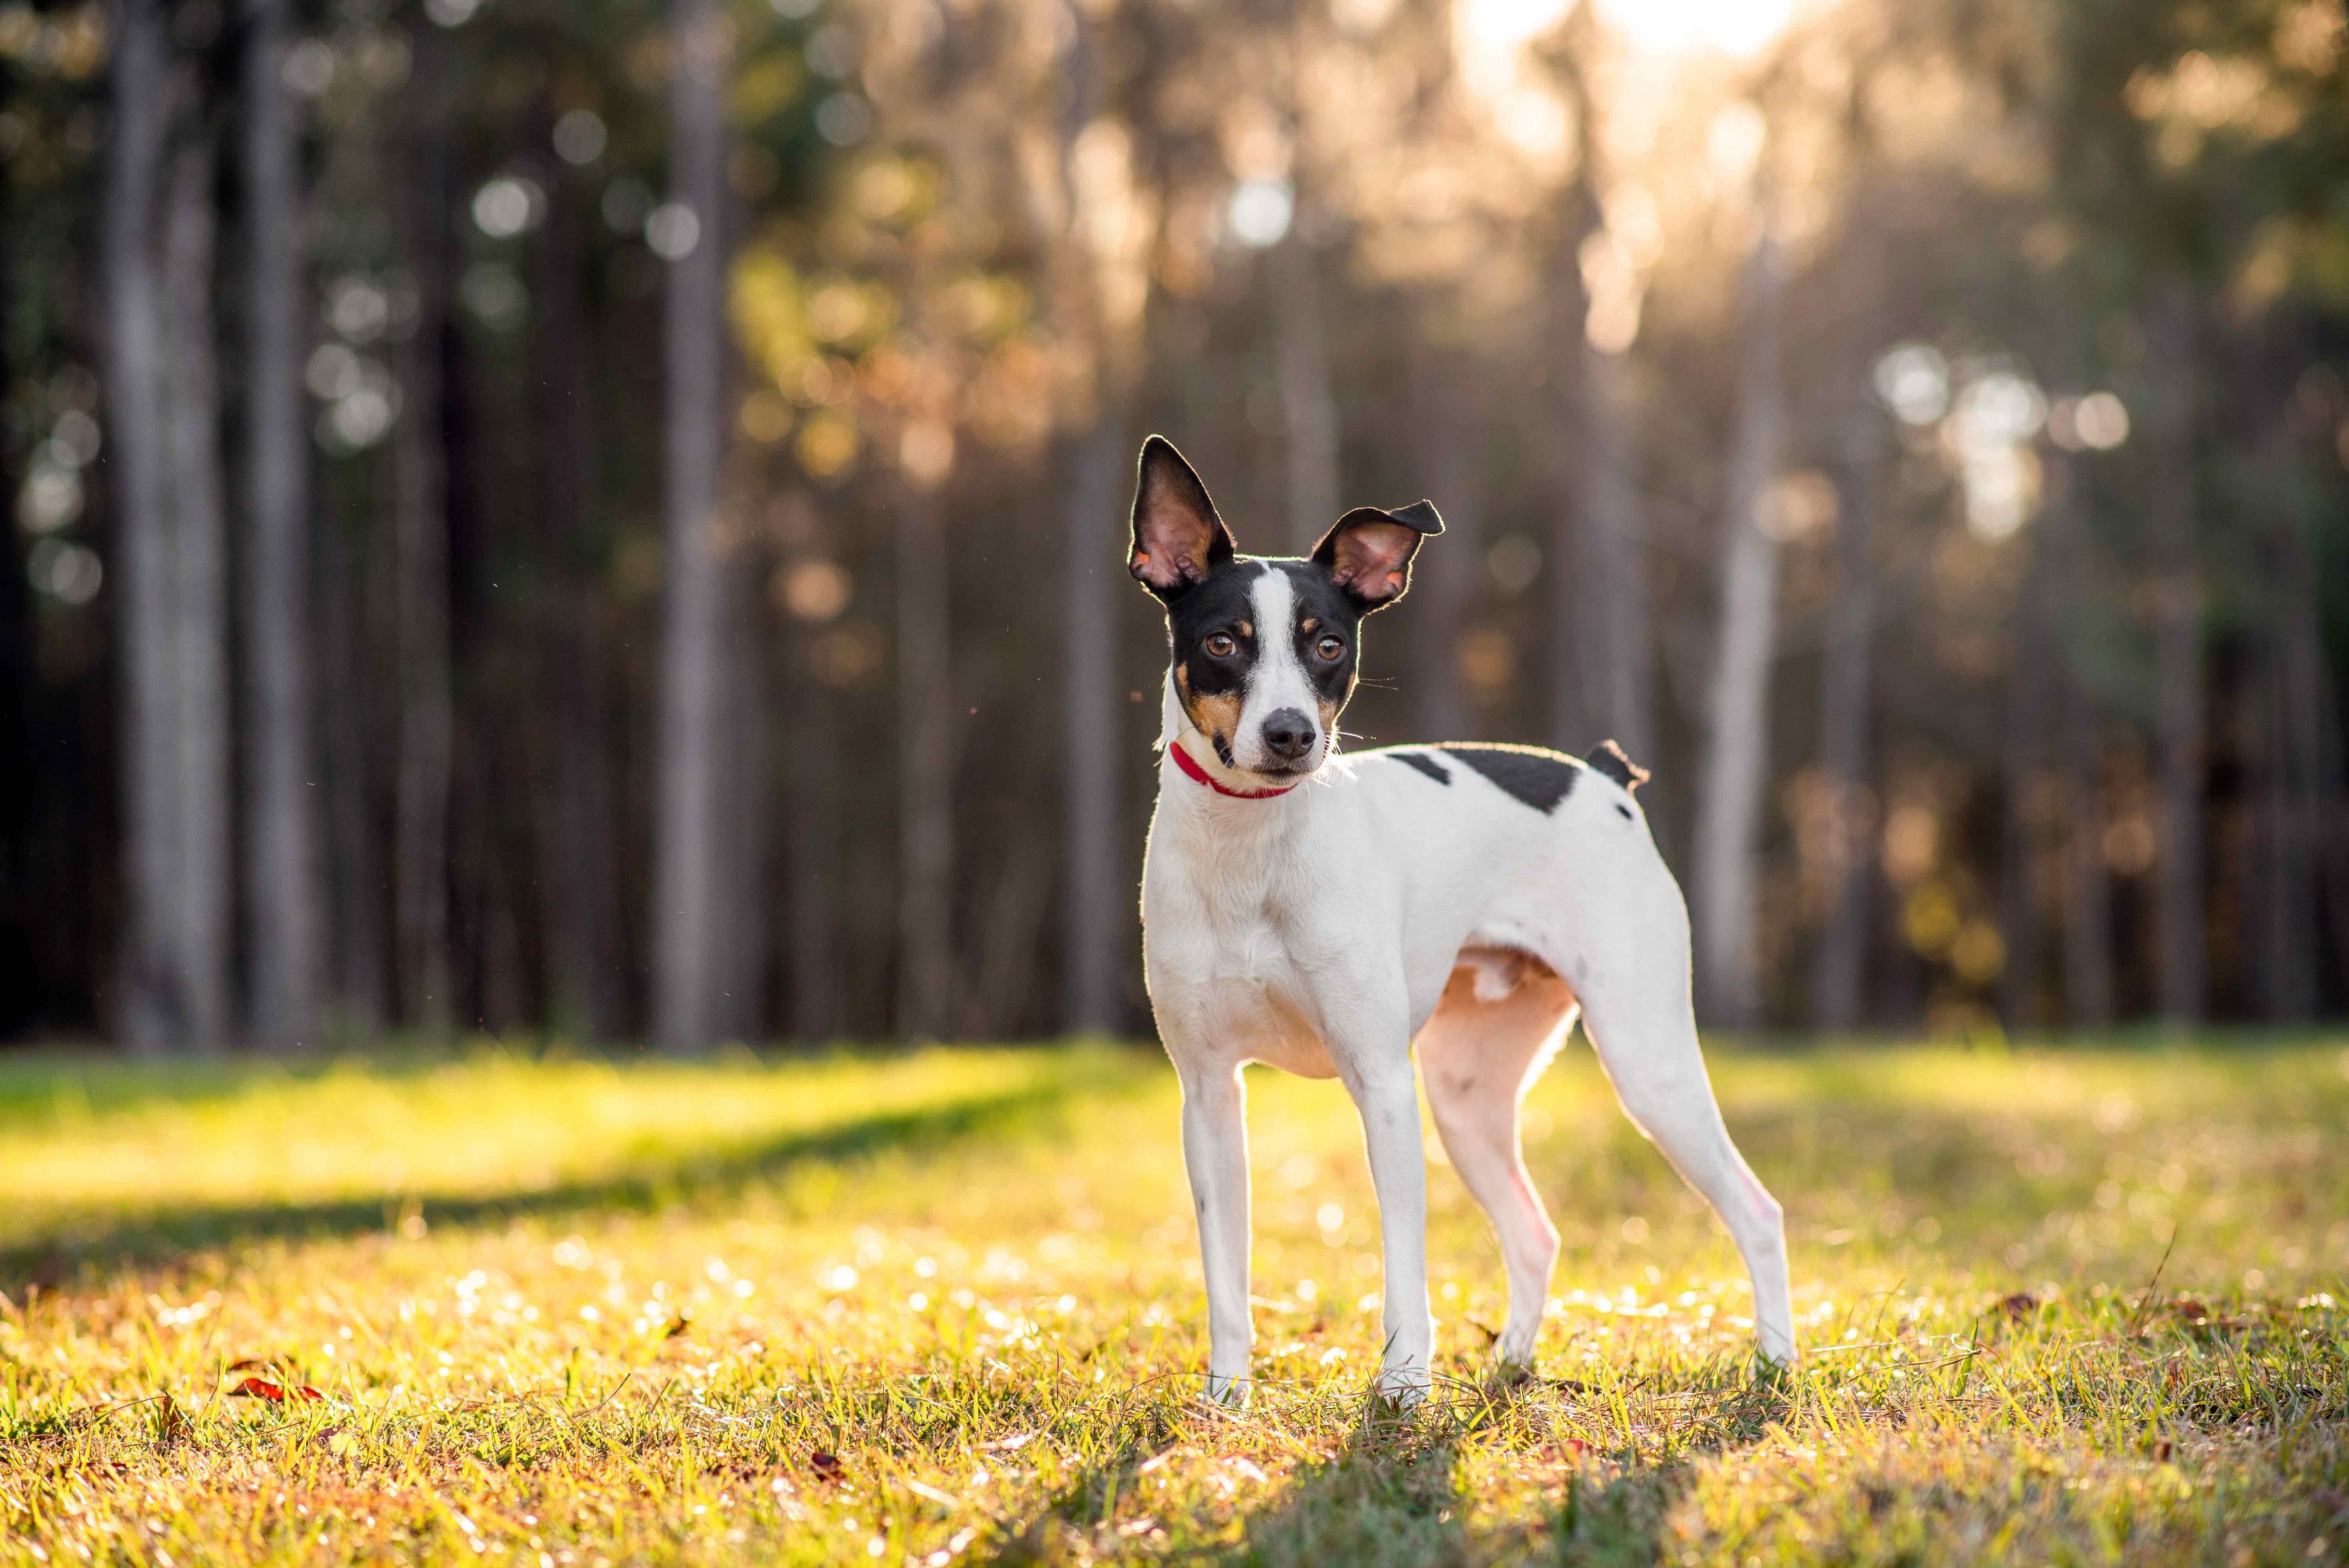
x,y
1265,650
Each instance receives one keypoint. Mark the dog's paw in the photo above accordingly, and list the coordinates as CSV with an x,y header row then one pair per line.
x,y
1227,1393
1510,1372
1404,1387
1774,1376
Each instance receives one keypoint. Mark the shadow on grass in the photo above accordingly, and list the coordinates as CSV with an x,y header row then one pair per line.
x,y
1395,1495
77,1241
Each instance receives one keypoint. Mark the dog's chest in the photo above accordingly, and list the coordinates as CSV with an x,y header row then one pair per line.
x,y
1221,928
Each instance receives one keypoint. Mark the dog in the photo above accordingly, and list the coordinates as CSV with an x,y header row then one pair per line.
x,y
1326,915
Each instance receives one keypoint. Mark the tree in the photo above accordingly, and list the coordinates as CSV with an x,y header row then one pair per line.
x,y
691,939
1097,916
586,957
1097,925
926,757
1602,677
160,385
1735,769
1445,580
283,869
1844,710
427,721
2180,700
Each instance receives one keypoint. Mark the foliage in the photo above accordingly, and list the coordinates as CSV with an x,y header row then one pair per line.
x,y
2059,1306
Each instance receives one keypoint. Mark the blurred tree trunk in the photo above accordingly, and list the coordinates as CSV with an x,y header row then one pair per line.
x,y
2300,763
420,845
2284,921
162,386
2030,699
1611,625
581,881
700,680
812,899
1603,679
925,728
1846,673
285,868
1444,578
2180,697
199,653
153,1017
362,961
1098,915
1735,763
2088,890
1308,405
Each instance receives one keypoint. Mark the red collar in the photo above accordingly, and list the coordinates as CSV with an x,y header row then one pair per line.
x,y
1182,760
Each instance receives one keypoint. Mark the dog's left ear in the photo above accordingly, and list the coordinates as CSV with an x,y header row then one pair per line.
x,y
1368,552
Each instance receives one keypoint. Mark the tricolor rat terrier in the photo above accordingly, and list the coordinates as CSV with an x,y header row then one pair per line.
x,y
1326,914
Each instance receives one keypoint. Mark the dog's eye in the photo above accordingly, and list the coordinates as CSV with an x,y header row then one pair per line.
x,y
1221,645
1329,647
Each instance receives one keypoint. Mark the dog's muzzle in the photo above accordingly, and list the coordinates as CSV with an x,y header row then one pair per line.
x,y
1289,737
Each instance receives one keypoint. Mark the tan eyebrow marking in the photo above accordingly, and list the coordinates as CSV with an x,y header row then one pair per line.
x,y
1307,624
1245,629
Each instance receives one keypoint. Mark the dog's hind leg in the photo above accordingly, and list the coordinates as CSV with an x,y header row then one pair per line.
x,y
1476,1059
1636,1009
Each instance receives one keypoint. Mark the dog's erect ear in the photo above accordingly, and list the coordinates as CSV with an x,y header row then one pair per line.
x,y
1177,537
1368,552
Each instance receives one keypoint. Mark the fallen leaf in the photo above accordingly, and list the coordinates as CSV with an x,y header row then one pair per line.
x,y
677,1325
2161,1449
276,1393
2018,1305
170,1421
251,1363
826,1465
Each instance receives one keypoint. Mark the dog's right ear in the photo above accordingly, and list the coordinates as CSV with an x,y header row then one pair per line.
x,y
1177,537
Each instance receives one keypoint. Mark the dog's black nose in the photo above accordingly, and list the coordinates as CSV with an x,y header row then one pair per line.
x,y
1288,734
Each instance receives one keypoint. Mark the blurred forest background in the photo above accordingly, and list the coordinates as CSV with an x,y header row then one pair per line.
x,y
607,517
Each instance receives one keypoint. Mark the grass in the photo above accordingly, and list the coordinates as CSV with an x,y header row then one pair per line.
x,y
2071,1307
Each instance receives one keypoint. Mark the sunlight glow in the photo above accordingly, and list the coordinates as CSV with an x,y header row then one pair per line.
x,y
1738,28
1492,36
1495,39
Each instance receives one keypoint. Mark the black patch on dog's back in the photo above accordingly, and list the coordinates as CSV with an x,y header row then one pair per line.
x,y
1533,777
1422,762
1610,761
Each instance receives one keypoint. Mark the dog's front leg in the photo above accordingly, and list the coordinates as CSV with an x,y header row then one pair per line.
x,y
1387,1095
1215,1153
